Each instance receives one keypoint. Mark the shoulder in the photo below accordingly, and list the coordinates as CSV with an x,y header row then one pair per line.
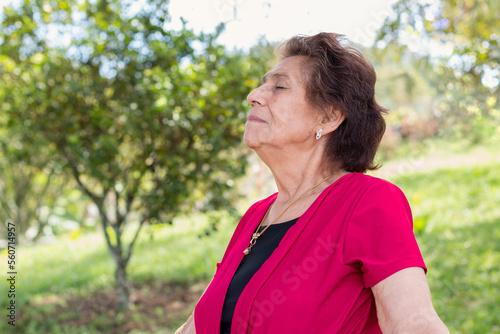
x,y
368,194
373,186
354,191
368,180
379,201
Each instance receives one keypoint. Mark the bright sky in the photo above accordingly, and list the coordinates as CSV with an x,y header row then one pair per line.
x,y
278,20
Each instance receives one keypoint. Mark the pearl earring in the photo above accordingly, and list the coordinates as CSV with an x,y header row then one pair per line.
x,y
318,134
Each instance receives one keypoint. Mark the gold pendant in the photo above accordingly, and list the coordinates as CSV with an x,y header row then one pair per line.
x,y
255,236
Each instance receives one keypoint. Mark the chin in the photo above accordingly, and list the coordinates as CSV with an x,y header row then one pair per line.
x,y
250,142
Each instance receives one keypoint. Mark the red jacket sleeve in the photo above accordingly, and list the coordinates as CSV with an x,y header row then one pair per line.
x,y
379,236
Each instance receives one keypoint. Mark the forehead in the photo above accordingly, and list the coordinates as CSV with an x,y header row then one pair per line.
x,y
290,68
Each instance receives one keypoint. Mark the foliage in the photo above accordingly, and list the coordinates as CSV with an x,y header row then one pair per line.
x,y
404,84
460,40
31,181
455,213
406,87
147,121
33,198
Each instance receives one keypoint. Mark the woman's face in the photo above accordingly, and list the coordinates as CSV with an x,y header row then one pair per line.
x,y
281,117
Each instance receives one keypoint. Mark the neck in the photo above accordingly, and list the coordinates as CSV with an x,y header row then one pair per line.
x,y
296,172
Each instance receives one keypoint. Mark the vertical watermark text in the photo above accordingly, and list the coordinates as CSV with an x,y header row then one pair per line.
x,y
11,273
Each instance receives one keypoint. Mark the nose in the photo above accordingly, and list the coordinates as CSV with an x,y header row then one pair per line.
x,y
256,97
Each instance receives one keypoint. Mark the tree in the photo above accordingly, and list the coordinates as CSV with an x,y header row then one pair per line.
x,y
460,39
147,121
30,191
31,181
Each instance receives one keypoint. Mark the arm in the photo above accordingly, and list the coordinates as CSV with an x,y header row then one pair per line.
x,y
404,304
188,327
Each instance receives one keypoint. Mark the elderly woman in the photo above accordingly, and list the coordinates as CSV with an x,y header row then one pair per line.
x,y
333,251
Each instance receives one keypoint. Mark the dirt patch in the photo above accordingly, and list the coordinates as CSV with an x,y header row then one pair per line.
x,y
154,307
436,160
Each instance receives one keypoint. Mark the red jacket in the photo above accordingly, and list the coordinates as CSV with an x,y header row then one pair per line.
x,y
356,233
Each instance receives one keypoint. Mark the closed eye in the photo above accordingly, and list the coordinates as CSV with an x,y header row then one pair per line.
x,y
280,87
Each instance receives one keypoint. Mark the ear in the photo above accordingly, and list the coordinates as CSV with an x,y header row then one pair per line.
x,y
333,122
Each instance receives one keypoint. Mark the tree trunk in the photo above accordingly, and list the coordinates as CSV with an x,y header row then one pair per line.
x,y
122,285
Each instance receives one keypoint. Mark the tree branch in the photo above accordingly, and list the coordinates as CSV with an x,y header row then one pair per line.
x,y
105,224
74,169
119,218
131,245
41,196
118,247
131,193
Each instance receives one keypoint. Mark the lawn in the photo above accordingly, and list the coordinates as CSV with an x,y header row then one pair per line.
x,y
456,219
66,287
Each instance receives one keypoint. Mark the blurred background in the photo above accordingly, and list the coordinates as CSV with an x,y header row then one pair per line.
x,y
123,170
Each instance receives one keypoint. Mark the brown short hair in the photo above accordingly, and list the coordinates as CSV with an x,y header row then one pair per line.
x,y
341,77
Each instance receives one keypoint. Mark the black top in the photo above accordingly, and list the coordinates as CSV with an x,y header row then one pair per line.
x,y
250,264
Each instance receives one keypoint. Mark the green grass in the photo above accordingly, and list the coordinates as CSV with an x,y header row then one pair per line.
x,y
80,265
456,214
70,266
179,253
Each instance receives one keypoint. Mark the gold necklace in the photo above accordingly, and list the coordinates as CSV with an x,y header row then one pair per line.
x,y
257,234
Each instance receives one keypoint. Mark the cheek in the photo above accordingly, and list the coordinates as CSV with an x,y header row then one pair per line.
x,y
291,111
283,110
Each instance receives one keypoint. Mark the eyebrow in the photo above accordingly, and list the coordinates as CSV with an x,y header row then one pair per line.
x,y
275,75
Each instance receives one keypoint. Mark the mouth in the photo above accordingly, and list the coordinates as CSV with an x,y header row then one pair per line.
x,y
255,119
